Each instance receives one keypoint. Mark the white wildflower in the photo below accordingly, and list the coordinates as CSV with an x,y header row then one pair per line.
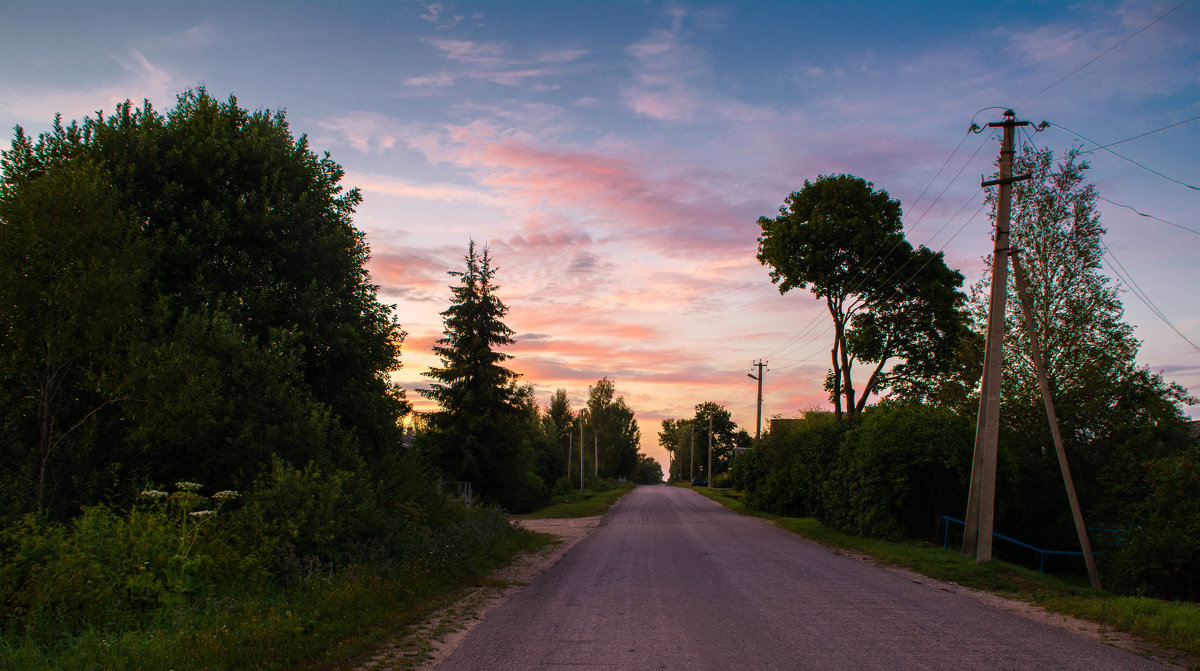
x,y
153,494
201,513
225,495
185,486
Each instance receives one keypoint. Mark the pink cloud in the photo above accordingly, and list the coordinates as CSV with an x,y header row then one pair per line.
x,y
410,267
673,213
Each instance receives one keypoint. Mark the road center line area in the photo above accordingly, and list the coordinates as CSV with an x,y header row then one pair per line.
x,y
672,580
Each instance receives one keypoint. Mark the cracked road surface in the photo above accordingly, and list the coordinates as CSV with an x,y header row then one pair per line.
x,y
671,580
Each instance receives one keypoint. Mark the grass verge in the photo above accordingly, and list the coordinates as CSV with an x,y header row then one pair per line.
x,y
328,622
587,504
1166,624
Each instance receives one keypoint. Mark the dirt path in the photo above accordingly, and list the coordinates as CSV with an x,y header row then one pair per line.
x,y
425,646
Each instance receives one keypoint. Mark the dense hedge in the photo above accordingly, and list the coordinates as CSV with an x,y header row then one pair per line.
x,y
896,469
892,473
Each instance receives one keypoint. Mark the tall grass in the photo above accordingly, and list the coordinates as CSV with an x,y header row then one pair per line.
x,y
322,620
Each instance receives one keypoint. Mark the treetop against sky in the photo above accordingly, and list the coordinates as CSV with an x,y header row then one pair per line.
x,y
615,156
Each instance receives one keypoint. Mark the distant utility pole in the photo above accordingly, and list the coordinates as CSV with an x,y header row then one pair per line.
x,y
758,417
692,453
581,449
981,500
709,479
570,448
596,452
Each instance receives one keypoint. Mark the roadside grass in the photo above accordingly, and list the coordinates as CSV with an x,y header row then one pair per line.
x,y
1167,624
331,621
575,504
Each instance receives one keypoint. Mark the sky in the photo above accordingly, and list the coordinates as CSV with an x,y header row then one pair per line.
x,y
615,156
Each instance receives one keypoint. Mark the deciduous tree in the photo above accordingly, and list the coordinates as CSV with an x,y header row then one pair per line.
x,y
245,249
843,240
616,429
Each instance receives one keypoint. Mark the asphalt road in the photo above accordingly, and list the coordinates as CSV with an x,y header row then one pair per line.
x,y
672,580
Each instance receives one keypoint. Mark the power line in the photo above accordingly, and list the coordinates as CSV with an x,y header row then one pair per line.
x,y
1148,216
874,256
1123,158
1104,53
1133,286
1159,130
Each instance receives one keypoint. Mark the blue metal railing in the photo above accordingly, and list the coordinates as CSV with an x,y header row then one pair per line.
x,y
1041,554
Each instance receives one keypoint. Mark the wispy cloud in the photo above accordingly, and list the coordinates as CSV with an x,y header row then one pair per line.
x,y
611,193
142,80
492,62
394,186
672,80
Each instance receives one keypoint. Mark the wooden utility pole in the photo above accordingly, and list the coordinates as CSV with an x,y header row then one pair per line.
x,y
758,417
1052,417
981,500
709,473
692,453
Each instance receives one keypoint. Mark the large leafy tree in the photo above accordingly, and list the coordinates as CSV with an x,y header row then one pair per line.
x,y
842,239
478,434
69,279
1077,311
616,430
1115,416
258,331
725,433
559,426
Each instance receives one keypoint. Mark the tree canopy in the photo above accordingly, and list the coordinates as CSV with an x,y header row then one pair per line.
x,y
842,239
214,255
616,431
1117,418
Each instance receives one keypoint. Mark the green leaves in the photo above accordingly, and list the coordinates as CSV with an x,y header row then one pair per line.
x,y
841,239
189,291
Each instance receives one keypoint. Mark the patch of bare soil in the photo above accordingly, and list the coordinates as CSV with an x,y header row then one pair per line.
x,y
425,645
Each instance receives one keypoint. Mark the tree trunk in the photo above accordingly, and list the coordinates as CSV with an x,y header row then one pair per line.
x,y
833,355
848,384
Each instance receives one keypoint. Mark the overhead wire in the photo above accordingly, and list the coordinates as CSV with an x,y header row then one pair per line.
x,y
1123,158
875,253
1146,134
1118,268
1104,53
1148,216
785,353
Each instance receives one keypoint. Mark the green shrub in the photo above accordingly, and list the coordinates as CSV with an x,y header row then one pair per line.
x,y
786,472
899,470
1160,556
103,565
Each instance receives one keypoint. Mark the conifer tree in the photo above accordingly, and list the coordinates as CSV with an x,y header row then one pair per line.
x,y
477,435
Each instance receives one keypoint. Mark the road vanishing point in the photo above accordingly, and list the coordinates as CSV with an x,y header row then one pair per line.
x,y
672,580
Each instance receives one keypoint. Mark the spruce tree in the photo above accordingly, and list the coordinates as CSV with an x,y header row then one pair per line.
x,y
477,435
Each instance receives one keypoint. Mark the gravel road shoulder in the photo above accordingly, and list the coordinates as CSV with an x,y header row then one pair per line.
x,y
425,645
